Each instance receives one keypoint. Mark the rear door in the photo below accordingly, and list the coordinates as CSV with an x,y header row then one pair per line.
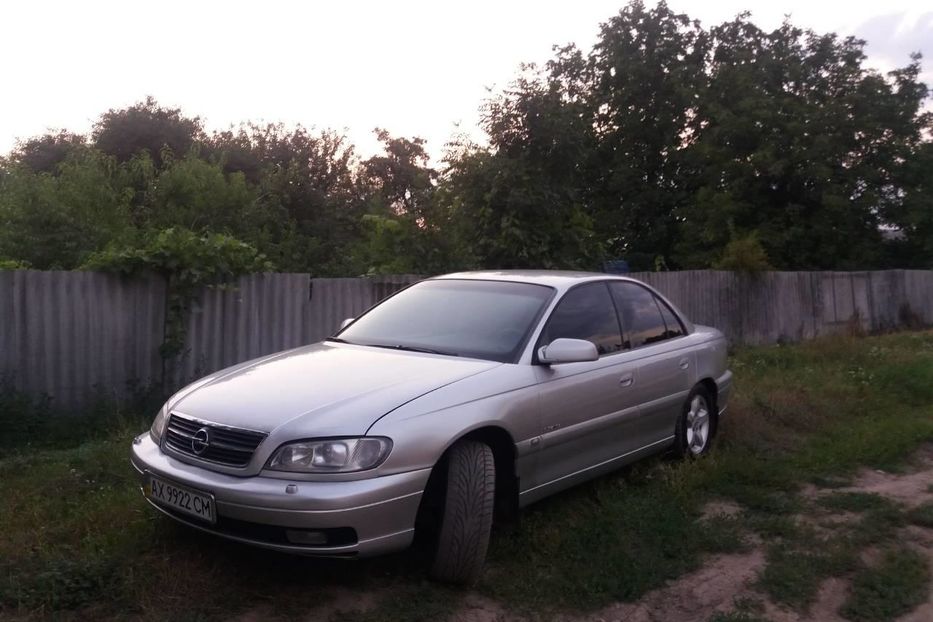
x,y
655,338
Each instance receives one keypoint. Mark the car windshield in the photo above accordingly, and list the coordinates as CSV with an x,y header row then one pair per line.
x,y
458,317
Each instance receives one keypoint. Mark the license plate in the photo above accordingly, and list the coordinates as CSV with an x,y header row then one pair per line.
x,y
186,500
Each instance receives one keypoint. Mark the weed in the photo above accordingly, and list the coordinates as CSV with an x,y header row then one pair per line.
x,y
878,524
31,422
854,501
415,602
723,534
922,515
737,616
830,481
58,582
772,526
794,571
894,587
791,577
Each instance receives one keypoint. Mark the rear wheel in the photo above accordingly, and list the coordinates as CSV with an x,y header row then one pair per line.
x,y
696,424
466,519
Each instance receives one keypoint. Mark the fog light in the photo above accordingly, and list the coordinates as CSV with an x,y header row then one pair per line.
x,y
305,537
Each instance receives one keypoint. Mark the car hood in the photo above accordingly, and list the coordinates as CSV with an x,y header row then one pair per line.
x,y
326,389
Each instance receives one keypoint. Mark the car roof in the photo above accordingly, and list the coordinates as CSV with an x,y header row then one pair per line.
x,y
561,279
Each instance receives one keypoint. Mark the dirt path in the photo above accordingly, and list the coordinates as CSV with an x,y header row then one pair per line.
x,y
729,579
725,582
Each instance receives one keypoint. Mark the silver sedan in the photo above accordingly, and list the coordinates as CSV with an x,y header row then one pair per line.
x,y
445,407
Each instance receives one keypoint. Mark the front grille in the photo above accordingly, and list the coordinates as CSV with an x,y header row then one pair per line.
x,y
229,446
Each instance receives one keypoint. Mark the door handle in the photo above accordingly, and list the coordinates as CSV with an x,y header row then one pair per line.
x,y
684,363
627,380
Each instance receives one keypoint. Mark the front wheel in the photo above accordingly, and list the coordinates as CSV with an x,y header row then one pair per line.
x,y
466,520
696,424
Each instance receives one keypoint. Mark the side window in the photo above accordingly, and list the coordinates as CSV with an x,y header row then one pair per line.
x,y
674,327
586,312
638,310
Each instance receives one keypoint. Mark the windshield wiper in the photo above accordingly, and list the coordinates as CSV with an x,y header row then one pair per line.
x,y
339,340
399,346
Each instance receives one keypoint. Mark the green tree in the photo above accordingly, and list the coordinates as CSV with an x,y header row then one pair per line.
x,y
401,180
795,140
146,127
911,244
405,229
44,154
310,203
198,195
643,76
54,221
523,201
666,144
674,142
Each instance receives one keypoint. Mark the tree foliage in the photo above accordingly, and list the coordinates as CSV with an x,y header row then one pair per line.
x,y
145,127
694,139
56,220
406,227
44,154
798,142
667,144
645,81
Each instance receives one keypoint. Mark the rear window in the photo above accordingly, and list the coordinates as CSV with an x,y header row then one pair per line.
x,y
673,325
642,322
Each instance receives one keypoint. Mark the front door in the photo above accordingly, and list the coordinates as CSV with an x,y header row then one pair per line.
x,y
584,406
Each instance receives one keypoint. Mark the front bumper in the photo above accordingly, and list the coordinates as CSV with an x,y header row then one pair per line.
x,y
378,513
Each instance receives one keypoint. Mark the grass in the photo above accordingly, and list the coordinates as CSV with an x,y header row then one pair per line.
x,y
922,515
893,587
854,501
796,567
800,555
32,422
80,542
737,616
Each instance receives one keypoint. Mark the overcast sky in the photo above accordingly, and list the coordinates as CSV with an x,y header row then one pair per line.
x,y
412,67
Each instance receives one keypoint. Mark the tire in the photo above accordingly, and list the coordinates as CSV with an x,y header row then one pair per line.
x,y
693,438
466,519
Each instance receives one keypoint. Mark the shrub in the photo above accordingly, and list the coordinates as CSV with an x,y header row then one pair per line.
x,y
744,254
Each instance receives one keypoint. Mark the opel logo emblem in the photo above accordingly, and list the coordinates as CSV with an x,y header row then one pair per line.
x,y
201,441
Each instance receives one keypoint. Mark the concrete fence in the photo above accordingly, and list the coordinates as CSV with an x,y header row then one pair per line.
x,y
65,333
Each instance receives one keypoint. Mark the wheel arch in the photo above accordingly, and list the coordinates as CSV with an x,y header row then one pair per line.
x,y
710,385
713,390
504,453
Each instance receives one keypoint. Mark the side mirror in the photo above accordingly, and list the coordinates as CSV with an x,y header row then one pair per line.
x,y
346,323
567,351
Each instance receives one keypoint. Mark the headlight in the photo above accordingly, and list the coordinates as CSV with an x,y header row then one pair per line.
x,y
338,455
158,426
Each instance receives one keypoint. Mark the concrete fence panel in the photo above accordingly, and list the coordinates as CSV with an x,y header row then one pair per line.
x,y
66,333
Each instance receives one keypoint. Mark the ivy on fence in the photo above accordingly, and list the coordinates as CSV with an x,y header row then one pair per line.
x,y
188,261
